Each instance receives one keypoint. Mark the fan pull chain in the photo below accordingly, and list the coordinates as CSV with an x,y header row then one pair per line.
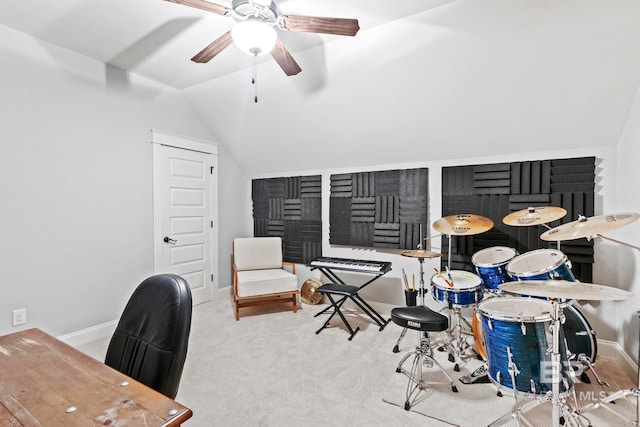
x,y
254,79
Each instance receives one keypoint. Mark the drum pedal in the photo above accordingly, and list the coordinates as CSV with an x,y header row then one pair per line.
x,y
479,376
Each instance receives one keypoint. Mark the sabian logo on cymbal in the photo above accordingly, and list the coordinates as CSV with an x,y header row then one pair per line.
x,y
461,229
528,220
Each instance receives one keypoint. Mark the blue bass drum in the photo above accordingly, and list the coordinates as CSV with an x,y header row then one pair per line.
x,y
517,333
580,337
466,289
491,265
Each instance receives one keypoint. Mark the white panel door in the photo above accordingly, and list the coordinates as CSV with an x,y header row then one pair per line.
x,y
184,197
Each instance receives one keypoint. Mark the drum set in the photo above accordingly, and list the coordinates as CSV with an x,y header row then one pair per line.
x,y
525,323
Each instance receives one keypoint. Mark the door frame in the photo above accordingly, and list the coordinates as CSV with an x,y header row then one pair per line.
x,y
161,138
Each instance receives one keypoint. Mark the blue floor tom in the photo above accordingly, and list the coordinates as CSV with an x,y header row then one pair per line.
x,y
518,339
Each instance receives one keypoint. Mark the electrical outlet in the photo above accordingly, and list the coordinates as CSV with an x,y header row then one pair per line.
x,y
19,316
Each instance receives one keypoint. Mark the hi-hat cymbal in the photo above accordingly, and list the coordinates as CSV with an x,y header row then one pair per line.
x,y
565,290
420,253
534,216
588,227
463,224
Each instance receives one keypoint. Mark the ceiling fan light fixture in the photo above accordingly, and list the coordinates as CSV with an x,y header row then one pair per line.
x,y
262,3
254,37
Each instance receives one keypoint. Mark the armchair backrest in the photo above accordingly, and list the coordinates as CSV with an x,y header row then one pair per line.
x,y
257,253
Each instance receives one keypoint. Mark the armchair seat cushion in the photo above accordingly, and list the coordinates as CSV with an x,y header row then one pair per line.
x,y
264,282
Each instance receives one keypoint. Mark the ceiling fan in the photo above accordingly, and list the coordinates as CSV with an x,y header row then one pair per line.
x,y
254,31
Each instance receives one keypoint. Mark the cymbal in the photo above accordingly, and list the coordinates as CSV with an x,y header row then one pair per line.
x,y
420,253
588,227
308,294
565,289
463,224
534,216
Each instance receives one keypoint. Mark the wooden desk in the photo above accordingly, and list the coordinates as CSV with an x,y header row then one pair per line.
x,y
42,379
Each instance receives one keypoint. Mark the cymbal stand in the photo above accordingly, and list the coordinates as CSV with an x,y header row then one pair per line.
x,y
449,255
457,344
549,228
622,393
421,291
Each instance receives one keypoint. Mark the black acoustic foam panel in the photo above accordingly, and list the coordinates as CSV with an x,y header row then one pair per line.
x,y
497,190
290,208
379,209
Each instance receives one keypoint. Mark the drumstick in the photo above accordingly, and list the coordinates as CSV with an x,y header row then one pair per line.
x,y
439,273
404,280
450,278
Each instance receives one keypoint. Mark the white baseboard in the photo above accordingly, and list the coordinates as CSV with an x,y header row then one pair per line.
x,y
88,335
93,333
221,293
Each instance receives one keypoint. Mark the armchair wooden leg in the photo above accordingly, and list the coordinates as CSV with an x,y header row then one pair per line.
x,y
237,310
295,303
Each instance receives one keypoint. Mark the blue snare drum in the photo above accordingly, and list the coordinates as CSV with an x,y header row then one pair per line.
x,y
541,264
466,289
491,265
517,332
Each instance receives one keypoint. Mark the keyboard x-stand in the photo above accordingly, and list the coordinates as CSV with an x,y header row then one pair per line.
x,y
328,267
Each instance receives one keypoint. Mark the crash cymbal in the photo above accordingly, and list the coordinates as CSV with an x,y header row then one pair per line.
x,y
463,224
588,227
565,290
420,253
534,216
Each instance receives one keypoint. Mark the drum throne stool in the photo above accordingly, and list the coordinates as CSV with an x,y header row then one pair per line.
x,y
423,320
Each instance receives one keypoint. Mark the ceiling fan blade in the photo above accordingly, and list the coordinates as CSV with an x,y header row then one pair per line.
x,y
285,60
217,46
204,5
315,24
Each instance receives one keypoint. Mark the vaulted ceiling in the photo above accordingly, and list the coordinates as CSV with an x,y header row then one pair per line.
x,y
422,80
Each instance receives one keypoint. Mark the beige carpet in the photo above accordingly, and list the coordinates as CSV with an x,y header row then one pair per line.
x,y
480,400
271,369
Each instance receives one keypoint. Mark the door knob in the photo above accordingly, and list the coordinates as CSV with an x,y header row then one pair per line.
x,y
169,240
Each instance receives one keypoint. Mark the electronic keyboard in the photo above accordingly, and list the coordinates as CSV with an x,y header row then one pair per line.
x,y
356,265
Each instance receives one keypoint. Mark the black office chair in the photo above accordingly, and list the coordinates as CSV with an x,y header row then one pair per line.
x,y
151,339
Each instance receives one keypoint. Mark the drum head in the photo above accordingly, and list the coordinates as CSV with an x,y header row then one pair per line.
x,y
516,309
492,257
536,262
461,280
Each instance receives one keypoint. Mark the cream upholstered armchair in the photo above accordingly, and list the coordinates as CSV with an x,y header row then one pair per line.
x,y
260,275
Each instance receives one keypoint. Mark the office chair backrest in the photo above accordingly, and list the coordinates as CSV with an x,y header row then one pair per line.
x,y
151,339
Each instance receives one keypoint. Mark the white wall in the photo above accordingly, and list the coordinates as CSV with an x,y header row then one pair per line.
x,y
628,259
76,184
